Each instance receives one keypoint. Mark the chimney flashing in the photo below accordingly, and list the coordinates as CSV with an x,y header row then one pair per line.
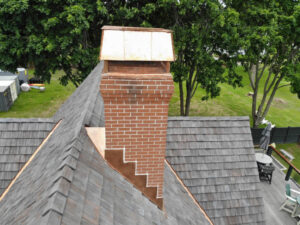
x,y
97,136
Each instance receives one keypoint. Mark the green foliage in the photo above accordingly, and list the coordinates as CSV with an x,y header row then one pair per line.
x,y
50,35
294,150
285,110
209,36
65,35
202,32
269,37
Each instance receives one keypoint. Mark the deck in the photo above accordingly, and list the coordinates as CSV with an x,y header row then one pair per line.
x,y
273,195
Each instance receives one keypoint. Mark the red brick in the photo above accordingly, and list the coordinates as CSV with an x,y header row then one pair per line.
x,y
136,113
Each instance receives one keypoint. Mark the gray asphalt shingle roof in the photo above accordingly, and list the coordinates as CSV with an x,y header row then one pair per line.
x,y
19,138
105,197
68,182
214,156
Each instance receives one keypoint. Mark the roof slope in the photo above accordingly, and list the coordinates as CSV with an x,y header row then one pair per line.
x,y
214,156
68,182
35,195
100,195
19,138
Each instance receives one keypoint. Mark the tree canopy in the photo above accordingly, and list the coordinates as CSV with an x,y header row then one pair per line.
x,y
210,37
269,39
202,31
51,35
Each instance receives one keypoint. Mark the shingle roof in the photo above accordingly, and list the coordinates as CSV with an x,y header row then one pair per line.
x,y
214,156
100,195
19,138
67,182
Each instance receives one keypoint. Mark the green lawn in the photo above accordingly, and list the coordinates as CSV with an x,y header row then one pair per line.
x,y
285,110
294,149
40,104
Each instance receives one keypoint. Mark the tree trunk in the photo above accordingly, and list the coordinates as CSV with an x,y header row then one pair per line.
x,y
261,113
188,98
181,98
254,72
187,105
272,96
254,98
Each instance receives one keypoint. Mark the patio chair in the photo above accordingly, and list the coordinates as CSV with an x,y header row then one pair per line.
x,y
290,203
265,172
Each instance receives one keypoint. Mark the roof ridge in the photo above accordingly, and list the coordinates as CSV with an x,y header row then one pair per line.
x,y
59,189
207,118
62,182
74,114
54,209
86,89
27,120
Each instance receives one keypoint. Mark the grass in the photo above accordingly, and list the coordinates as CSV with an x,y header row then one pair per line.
x,y
40,104
294,149
285,110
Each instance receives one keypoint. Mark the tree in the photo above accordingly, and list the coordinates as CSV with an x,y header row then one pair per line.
x,y
201,37
51,35
65,35
269,49
202,32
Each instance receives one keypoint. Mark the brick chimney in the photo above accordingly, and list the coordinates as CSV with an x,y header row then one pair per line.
x,y
136,87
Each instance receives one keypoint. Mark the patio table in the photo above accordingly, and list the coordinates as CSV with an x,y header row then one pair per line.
x,y
263,158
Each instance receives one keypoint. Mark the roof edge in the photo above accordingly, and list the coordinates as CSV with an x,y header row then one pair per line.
x,y
67,106
206,118
143,29
29,161
27,120
189,193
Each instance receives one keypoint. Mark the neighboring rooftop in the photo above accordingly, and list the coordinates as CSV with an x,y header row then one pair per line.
x,y
19,138
214,156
